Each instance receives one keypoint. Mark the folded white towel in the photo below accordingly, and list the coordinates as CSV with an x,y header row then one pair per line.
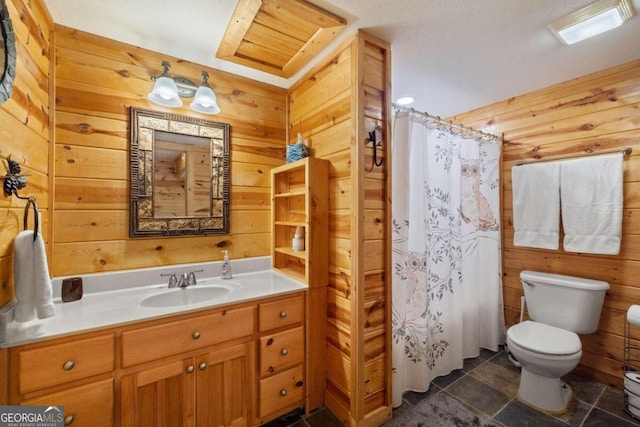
x,y
536,205
591,195
31,279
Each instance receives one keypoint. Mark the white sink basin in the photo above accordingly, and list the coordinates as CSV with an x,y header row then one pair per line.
x,y
185,296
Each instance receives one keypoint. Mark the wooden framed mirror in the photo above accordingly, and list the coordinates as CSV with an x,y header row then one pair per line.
x,y
179,170
7,54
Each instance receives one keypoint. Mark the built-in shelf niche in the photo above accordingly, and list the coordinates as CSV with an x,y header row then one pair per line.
x,y
300,199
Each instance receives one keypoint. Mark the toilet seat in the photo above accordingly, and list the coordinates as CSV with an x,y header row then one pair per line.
x,y
544,339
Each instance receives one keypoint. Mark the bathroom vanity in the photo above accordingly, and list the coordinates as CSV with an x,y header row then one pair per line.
x,y
235,359
237,352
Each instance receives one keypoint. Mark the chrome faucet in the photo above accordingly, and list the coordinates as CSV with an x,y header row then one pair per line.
x,y
183,282
186,279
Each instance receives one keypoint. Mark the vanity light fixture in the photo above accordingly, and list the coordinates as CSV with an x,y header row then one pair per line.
x,y
165,90
168,91
601,16
205,99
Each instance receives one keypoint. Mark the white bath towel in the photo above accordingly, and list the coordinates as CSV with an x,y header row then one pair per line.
x,y
31,278
591,197
536,205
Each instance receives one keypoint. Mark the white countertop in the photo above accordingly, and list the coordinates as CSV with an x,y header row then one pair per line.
x,y
98,310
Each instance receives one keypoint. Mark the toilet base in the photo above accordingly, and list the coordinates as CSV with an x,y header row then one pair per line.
x,y
548,394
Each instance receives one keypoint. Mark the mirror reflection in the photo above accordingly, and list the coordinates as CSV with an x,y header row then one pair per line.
x,y
3,54
179,175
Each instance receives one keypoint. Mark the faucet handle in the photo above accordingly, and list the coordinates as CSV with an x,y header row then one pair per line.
x,y
173,280
191,278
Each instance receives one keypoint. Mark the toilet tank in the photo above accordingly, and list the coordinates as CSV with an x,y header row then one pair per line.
x,y
567,302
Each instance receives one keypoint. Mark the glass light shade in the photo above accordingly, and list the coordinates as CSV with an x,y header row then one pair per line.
x,y
601,16
205,101
165,92
592,27
405,100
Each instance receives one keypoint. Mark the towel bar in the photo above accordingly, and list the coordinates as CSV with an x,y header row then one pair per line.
x,y
626,151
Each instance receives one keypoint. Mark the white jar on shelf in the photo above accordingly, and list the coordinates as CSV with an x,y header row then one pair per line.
x,y
297,243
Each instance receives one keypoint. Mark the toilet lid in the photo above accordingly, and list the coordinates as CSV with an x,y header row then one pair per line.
x,y
544,339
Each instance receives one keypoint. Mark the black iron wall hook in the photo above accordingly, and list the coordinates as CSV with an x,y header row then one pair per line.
x,y
14,181
374,143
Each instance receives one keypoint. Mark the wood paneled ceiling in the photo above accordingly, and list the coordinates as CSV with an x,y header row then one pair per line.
x,y
277,36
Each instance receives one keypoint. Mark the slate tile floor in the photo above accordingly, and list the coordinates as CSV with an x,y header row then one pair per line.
x,y
488,385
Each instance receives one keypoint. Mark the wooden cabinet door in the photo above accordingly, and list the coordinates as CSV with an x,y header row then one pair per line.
x,y
160,397
225,387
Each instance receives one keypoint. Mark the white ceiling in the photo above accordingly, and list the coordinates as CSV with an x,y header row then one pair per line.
x,y
451,55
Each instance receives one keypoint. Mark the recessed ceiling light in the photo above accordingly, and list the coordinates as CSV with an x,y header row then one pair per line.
x,y
601,16
405,100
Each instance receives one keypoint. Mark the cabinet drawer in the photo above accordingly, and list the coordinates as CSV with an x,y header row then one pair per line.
x,y
281,313
281,350
55,364
154,342
281,391
87,405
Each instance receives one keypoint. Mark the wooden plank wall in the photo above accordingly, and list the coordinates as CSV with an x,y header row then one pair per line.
x,y
374,346
320,110
25,130
97,80
332,106
591,113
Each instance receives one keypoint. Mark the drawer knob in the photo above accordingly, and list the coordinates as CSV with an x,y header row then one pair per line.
x,y
284,352
68,365
283,392
283,314
190,369
196,335
203,366
68,420
270,341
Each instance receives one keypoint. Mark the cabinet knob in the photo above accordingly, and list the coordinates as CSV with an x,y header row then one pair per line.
x,y
283,392
68,420
203,366
284,352
190,369
283,314
196,335
68,365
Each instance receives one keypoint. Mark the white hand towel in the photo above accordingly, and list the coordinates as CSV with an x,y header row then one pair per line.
x,y
536,205
31,279
591,197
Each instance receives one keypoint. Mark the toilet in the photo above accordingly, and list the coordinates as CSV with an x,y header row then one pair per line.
x,y
547,346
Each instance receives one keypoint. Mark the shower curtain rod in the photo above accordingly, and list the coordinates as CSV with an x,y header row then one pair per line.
x,y
428,117
626,151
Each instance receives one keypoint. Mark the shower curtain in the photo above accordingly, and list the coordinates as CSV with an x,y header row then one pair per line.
x,y
446,254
